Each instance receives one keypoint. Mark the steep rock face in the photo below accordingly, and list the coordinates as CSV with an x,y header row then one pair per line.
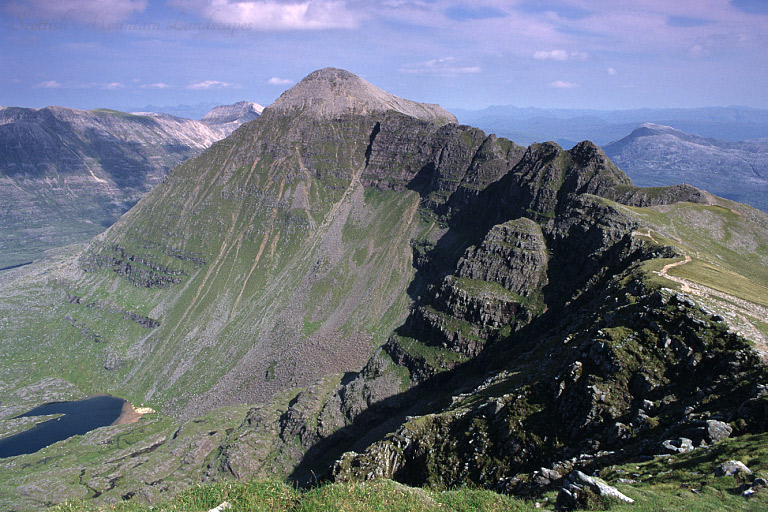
x,y
658,155
67,174
512,254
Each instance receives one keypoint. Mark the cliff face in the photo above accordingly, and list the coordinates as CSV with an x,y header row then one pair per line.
x,y
65,174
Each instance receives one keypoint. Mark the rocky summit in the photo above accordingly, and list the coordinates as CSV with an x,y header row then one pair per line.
x,y
353,287
331,92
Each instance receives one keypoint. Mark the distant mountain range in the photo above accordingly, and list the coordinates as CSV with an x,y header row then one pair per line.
x,y
66,174
196,111
570,126
656,155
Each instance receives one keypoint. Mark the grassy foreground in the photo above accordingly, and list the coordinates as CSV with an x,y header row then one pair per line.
x,y
273,496
680,482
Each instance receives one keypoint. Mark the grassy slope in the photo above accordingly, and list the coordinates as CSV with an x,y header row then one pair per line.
x,y
290,258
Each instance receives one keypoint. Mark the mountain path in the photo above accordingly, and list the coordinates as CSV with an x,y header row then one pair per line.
x,y
738,310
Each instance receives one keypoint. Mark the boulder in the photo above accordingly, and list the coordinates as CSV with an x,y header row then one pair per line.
x,y
732,468
571,496
717,431
681,445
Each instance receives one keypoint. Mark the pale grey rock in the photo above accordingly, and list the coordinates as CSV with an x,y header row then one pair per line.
x,y
681,445
731,468
717,431
330,93
576,482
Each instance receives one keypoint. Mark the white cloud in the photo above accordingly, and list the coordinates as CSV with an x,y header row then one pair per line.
x,y
611,71
280,81
560,55
50,84
560,84
107,11
444,67
275,15
112,86
158,85
211,84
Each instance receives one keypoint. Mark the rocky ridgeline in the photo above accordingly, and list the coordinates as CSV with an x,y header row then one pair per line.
x,y
645,375
529,299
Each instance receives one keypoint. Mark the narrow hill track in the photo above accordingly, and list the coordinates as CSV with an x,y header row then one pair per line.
x,y
738,311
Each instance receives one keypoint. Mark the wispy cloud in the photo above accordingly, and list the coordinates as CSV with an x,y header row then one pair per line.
x,y
611,71
107,11
560,84
280,81
211,84
447,66
273,15
112,86
158,85
560,55
49,84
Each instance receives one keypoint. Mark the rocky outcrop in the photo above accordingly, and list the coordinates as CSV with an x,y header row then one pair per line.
x,y
636,368
513,254
573,495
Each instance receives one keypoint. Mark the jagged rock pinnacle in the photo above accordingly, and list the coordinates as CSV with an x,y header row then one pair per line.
x,y
331,92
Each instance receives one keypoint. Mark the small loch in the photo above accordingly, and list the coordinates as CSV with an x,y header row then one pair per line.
x,y
79,417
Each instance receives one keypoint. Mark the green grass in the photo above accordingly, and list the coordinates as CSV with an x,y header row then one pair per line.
x,y
274,496
723,280
687,481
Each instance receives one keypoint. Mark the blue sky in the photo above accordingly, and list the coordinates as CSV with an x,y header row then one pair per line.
x,y
466,54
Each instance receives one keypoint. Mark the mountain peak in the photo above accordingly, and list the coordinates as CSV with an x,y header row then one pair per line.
x,y
331,92
240,112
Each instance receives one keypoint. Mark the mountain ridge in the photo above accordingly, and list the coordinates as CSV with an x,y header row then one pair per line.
x,y
66,174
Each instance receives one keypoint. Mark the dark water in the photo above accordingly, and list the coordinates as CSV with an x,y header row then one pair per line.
x,y
79,417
